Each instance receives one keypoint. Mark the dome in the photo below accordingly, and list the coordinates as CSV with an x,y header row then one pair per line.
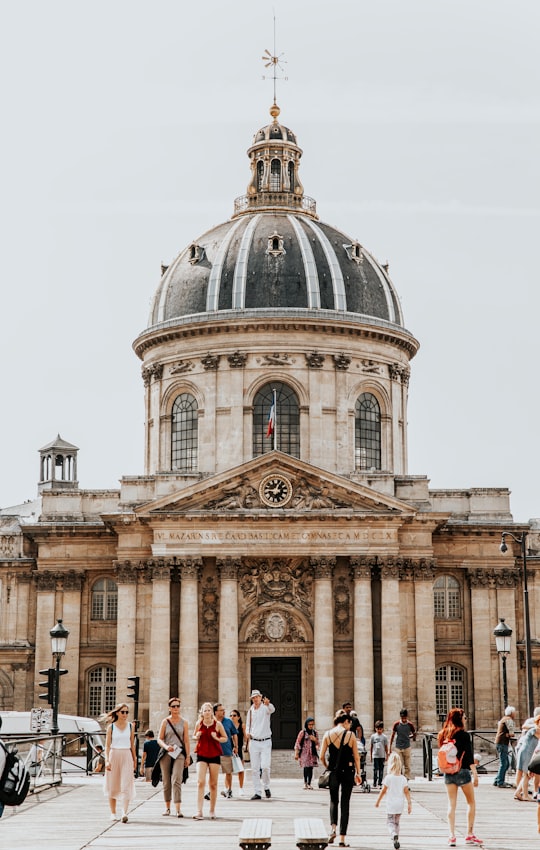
x,y
275,255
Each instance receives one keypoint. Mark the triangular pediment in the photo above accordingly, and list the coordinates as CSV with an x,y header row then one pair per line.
x,y
276,482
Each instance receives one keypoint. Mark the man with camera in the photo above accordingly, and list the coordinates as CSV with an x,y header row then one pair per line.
x,y
259,738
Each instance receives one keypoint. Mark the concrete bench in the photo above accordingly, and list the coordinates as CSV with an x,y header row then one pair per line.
x,y
310,834
255,834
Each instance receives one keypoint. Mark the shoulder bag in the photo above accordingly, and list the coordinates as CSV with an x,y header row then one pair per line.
x,y
324,779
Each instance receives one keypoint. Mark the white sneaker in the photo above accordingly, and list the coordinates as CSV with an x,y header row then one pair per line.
x,y
241,793
114,817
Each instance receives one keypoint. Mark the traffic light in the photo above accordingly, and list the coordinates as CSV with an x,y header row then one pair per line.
x,y
49,684
134,688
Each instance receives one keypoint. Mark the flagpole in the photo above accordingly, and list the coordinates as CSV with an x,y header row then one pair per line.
x,y
275,419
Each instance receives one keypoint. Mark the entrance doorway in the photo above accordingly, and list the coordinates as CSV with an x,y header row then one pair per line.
x,y
280,679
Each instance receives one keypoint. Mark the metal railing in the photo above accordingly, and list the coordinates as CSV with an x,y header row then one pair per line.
x,y
482,744
48,757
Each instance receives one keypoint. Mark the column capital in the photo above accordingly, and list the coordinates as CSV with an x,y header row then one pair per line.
x,y
423,569
391,568
322,567
361,567
189,567
507,577
73,580
125,572
45,581
228,568
160,570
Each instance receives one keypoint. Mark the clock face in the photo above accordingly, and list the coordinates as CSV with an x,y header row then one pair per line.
x,y
275,490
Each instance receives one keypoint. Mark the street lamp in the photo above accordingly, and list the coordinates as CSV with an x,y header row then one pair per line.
x,y
503,635
522,543
59,635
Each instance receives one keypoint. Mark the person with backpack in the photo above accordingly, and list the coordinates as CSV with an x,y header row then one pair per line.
x,y
14,777
465,778
306,750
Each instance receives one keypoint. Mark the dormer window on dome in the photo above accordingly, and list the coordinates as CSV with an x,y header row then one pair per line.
x,y
195,253
355,252
275,245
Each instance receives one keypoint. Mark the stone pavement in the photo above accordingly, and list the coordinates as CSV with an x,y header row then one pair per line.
x,y
75,816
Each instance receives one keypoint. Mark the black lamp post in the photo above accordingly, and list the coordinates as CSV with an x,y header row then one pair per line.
x,y
522,543
59,635
503,636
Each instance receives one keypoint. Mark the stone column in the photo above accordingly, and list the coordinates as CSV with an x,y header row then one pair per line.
x,y
480,689
424,573
160,644
228,633
323,641
391,642
363,642
17,700
71,616
126,580
188,656
23,607
45,620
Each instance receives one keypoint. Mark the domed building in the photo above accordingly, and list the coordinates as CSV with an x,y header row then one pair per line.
x,y
276,538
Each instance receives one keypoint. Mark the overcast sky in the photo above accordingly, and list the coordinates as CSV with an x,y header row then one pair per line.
x,y
125,132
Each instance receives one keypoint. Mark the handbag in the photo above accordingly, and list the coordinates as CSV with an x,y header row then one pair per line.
x,y
324,779
188,760
534,764
156,770
237,766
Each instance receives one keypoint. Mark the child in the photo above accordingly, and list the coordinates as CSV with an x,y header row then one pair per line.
x,y
396,786
378,753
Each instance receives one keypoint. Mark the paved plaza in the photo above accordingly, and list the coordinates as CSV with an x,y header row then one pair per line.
x,y
75,816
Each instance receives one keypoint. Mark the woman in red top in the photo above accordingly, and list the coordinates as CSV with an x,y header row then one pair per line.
x,y
209,734
466,778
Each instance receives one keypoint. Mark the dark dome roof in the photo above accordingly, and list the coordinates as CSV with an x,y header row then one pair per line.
x,y
275,260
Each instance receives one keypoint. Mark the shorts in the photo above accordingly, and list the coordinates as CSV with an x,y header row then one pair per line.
x,y
462,777
209,759
226,764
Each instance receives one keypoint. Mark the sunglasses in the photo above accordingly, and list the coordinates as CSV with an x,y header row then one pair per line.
x,y
175,705
123,712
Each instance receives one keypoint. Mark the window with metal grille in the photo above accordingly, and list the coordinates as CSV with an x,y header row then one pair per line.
x,y
291,176
184,434
367,432
447,598
275,176
104,600
101,690
287,420
260,175
449,689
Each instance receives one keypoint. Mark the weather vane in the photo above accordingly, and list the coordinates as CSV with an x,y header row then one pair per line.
x,y
274,61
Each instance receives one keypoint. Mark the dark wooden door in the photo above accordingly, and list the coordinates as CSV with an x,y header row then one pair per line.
x,y
280,679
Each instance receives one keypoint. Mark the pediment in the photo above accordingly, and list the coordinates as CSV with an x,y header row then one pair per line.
x,y
250,488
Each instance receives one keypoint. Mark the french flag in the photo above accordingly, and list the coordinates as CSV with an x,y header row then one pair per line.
x,y
271,419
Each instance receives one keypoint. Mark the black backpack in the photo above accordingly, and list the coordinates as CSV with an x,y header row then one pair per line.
x,y
15,779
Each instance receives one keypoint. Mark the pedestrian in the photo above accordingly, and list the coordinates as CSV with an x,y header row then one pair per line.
x,y
343,762
174,738
209,735
98,762
466,778
356,726
378,753
237,720
404,732
505,734
150,754
120,760
259,737
524,752
306,750
395,788
228,748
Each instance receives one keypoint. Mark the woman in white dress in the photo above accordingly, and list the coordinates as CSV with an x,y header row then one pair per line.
x,y
120,760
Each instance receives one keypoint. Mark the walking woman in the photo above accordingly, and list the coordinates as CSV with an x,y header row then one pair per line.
x,y
173,737
237,720
306,750
120,760
210,735
465,778
344,763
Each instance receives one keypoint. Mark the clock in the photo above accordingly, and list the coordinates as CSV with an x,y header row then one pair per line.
x,y
275,491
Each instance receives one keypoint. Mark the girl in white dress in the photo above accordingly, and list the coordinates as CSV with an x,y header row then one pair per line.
x,y
120,760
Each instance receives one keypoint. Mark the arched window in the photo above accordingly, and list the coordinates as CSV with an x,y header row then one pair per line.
x,y
104,600
275,176
260,175
449,689
446,598
291,176
184,434
286,418
367,432
101,690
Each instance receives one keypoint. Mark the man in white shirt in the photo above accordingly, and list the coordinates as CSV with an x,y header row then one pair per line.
x,y
259,735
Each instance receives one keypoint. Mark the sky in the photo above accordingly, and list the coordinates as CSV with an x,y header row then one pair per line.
x,y
126,125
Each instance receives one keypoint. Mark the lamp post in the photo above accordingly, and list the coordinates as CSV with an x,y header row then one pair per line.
x,y
59,635
522,543
503,635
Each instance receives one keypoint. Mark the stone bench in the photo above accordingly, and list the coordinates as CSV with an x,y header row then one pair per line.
x,y
255,834
310,834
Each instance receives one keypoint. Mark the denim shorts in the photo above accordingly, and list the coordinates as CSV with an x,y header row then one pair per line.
x,y
462,777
